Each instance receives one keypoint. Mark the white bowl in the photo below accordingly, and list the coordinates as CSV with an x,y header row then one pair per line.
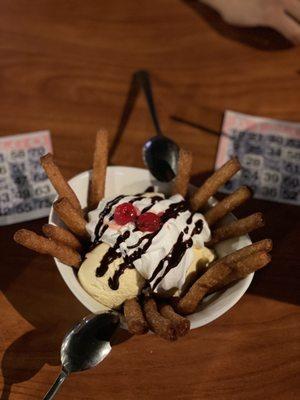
x,y
127,180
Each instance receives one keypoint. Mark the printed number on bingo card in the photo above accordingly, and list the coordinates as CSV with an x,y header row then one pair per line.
x,y
269,152
25,191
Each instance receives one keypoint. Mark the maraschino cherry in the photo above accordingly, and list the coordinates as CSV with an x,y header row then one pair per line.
x,y
125,213
148,222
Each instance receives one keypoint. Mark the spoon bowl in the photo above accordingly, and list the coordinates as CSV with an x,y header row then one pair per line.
x,y
85,346
161,156
88,342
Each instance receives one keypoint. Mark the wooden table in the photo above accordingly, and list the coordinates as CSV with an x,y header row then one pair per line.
x,y
66,66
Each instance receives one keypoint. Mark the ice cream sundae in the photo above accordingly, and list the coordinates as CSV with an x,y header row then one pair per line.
x,y
150,255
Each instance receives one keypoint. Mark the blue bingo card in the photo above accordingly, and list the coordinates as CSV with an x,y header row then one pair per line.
x,y
25,191
269,151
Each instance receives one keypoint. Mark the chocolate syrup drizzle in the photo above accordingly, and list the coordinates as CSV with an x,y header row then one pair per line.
x,y
174,257
103,214
154,200
114,252
169,262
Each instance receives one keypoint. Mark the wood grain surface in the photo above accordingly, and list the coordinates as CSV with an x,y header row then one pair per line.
x,y
66,66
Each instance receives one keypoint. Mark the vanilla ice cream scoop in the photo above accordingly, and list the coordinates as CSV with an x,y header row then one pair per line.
x,y
163,256
99,286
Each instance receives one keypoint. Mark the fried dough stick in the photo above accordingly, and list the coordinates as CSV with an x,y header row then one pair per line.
x,y
212,277
59,182
182,179
263,245
180,324
100,160
137,325
237,228
244,267
227,205
214,182
42,245
71,218
62,236
161,326
222,275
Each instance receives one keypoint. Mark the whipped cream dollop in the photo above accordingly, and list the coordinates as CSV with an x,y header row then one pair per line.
x,y
161,257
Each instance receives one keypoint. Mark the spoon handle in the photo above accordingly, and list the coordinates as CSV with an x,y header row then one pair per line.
x,y
56,385
144,81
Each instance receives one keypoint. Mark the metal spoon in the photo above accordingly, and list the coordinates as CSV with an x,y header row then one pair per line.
x,y
160,153
85,346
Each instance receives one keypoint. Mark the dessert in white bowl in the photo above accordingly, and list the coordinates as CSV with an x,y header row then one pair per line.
x,y
159,257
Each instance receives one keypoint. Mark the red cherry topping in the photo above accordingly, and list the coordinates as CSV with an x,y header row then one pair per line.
x,y
125,213
148,222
